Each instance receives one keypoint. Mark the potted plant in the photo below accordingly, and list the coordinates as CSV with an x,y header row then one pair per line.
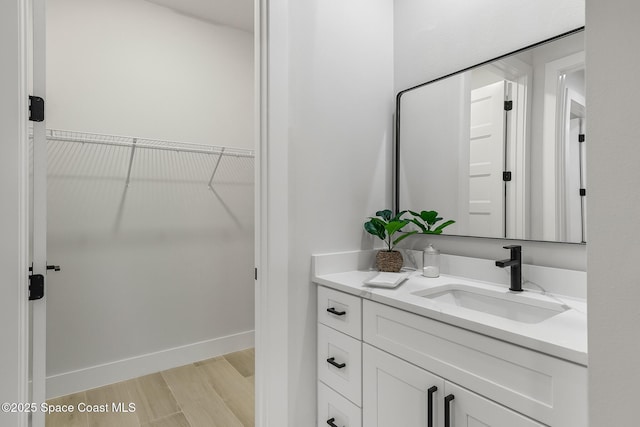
x,y
385,225
427,220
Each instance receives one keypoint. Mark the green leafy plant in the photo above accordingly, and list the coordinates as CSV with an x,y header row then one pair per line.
x,y
427,220
384,225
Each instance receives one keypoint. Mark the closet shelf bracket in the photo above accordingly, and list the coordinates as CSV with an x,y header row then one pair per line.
x,y
215,169
133,152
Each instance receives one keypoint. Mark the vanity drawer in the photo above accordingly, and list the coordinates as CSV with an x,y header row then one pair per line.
x,y
340,311
340,363
545,388
331,405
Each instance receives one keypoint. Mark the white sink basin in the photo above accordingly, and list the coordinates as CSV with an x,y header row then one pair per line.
x,y
519,307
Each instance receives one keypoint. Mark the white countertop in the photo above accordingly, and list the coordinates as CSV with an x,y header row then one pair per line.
x,y
564,335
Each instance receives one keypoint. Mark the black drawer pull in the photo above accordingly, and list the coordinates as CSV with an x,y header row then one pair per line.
x,y
332,360
332,310
430,392
330,421
447,410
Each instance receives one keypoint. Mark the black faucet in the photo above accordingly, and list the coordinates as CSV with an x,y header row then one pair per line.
x,y
515,262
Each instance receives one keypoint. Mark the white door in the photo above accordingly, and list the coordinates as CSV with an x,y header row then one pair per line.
x,y
396,393
486,161
468,409
39,215
13,212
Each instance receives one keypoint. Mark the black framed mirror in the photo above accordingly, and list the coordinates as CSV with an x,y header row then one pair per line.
x,y
499,147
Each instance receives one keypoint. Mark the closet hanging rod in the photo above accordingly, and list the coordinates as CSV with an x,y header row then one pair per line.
x,y
143,143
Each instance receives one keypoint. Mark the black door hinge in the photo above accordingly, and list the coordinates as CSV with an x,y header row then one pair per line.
x,y
581,137
508,105
36,109
506,176
583,192
36,283
255,271
36,287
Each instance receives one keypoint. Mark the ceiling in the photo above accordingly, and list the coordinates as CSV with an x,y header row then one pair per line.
x,y
232,13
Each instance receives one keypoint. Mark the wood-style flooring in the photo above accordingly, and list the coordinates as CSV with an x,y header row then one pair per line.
x,y
218,392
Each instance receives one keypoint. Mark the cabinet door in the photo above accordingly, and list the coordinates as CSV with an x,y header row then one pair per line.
x,y
396,393
468,409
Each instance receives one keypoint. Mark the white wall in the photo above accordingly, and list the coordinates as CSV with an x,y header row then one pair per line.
x,y
434,130
339,147
614,200
13,273
433,38
130,67
337,59
163,263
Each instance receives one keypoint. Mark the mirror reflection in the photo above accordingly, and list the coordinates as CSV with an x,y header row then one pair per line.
x,y
499,148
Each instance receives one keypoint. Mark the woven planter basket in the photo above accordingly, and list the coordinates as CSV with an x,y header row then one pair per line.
x,y
389,261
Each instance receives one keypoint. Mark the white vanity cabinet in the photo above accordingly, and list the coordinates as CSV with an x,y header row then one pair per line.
x,y
404,395
339,359
411,363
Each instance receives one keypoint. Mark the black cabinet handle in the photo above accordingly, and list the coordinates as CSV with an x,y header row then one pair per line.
x,y
332,310
332,360
430,392
447,410
330,421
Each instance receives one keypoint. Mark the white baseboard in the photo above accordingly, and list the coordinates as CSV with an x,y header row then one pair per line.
x,y
121,370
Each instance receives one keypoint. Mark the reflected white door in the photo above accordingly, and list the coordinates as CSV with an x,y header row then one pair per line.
x,y
486,161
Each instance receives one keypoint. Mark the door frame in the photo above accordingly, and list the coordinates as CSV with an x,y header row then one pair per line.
x,y
14,214
565,192
38,315
271,254
272,205
551,152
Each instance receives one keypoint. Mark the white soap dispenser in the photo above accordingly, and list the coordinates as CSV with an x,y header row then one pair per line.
x,y
431,262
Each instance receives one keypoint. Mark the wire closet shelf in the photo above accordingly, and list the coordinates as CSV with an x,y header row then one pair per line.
x,y
144,161
145,143
138,143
